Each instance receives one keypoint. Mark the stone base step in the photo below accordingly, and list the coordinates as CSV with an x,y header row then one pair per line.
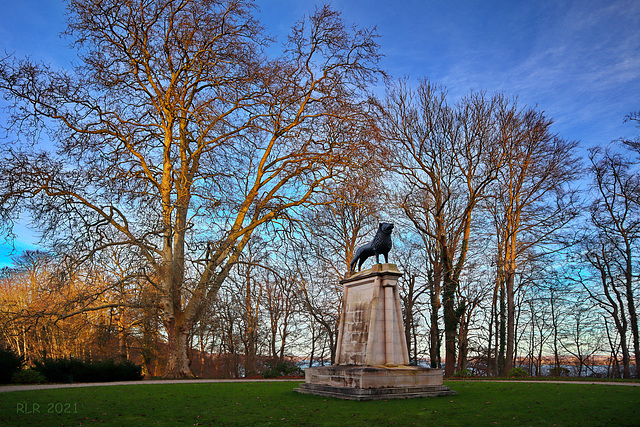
x,y
350,393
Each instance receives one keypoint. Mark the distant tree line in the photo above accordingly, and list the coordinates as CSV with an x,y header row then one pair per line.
x,y
200,201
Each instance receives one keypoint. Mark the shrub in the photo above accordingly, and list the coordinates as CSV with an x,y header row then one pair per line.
x,y
10,363
69,370
59,370
517,373
558,371
283,369
28,376
464,373
110,370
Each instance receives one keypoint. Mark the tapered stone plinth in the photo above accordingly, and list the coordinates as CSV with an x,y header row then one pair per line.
x,y
372,356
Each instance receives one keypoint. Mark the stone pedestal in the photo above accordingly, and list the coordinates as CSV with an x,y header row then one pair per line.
x,y
372,356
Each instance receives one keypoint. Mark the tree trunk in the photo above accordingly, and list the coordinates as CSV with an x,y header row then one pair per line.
x,y
314,337
626,370
502,332
511,314
122,345
554,323
408,331
450,355
434,349
490,358
122,335
463,346
434,329
615,364
619,318
409,324
333,334
633,317
177,358
414,333
450,327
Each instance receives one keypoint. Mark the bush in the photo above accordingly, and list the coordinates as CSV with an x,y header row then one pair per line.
x,y
28,376
60,370
558,371
111,370
10,363
464,373
70,370
283,369
517,373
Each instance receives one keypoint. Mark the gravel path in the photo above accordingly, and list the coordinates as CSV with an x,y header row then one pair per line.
x,y
636,384
8,388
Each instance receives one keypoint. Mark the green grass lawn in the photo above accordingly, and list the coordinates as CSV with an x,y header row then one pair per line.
x,y
275,403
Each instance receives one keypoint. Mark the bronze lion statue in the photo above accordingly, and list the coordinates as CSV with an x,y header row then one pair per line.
x,y
380,245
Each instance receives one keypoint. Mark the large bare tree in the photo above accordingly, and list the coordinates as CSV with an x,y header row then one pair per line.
x,y
606,290
177,136
532,200
447,157
615,216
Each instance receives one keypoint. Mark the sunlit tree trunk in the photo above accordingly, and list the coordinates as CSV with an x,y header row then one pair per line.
x,y
511,315
178,364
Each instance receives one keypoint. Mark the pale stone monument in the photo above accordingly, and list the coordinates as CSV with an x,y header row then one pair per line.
x,y
372,358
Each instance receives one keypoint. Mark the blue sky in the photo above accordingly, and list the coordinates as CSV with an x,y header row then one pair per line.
x,y
577,60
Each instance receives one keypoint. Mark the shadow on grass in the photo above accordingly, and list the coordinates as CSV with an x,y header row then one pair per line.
x,y
275,403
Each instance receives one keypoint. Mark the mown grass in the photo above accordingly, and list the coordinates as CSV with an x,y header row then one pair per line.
x,y
275,403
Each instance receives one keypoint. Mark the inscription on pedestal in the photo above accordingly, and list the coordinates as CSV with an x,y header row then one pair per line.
x,y
371,325
357,317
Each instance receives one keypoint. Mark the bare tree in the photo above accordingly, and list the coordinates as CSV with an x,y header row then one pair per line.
x,y
321,296
281,305
48,313
345,216
177,136
633,143
413,289
471,294
615,214
605,289
447,158
247,288
581,335
531,201
323,247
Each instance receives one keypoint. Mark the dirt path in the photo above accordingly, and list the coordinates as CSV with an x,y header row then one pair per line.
x,y
8,388
636,384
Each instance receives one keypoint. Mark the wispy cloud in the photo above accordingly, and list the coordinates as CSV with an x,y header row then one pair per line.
x,y
581,64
